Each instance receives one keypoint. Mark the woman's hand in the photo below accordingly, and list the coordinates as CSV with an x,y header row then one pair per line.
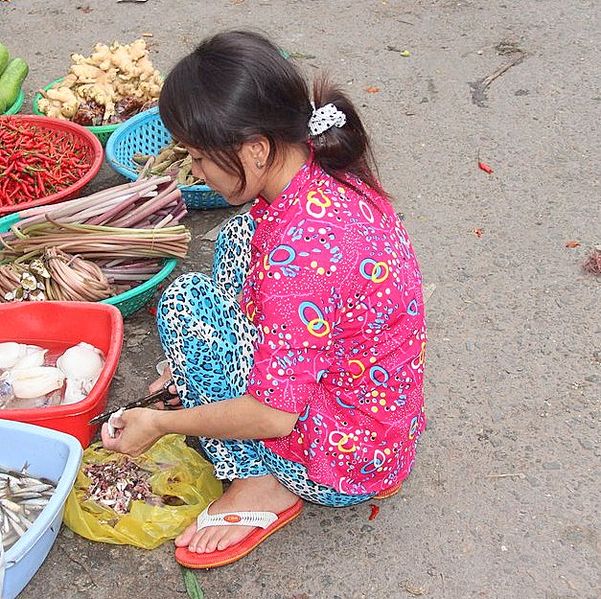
x,y
176,402
135,431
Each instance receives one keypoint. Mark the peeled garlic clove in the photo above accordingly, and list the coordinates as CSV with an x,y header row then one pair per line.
x,y
110,425
10,352
34,356
74,391
34,382
82,361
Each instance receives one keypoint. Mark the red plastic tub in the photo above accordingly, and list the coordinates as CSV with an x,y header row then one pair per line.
x,y
61,325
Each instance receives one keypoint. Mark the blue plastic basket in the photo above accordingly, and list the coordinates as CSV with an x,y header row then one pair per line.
x,y
48,454
145,133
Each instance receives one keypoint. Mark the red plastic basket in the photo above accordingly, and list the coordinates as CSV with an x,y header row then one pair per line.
x,y
66,323
83,140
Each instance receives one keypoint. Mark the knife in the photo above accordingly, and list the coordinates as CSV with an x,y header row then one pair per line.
x,y
162,395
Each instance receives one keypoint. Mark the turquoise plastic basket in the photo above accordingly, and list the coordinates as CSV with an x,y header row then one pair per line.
x,y
130,301
145,133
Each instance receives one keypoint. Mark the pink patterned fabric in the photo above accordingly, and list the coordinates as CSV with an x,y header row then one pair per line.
x,y
336,294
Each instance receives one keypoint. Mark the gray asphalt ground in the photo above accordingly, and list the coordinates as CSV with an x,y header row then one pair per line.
x,y
504,499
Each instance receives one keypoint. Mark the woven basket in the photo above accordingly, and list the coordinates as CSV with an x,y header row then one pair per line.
x,y
145,133
130,301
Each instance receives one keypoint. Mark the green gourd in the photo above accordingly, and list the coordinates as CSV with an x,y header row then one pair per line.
x,y
11,81
4,56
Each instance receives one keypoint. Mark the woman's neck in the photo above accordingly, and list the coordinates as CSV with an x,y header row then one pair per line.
x,y
282,171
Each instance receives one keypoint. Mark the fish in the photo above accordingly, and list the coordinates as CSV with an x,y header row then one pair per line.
x,y
22,499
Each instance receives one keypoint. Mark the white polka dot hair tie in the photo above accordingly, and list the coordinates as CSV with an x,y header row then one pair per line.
x,y
325,118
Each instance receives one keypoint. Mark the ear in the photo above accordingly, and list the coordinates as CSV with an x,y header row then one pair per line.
x,y
256,151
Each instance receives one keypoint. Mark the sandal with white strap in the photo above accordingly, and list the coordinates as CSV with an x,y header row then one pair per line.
x,y
257,519
265,523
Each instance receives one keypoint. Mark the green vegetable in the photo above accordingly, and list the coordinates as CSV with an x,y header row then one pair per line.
x,y
3,58
11,81
193,589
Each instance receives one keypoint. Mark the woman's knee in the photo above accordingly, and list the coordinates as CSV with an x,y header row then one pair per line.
x,y
183,290
237,227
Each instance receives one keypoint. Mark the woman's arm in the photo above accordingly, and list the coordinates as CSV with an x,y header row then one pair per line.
x,y
239,418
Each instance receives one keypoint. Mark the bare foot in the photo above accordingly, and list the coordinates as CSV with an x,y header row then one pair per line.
x,y
261,494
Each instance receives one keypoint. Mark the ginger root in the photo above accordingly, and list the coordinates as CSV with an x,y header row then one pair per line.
x,y
109,75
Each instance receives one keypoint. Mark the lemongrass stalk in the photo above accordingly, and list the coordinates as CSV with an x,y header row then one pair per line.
x,y
128,277
88,229
41,217
166,219
166,197
89,213
106,216
131,272
69,205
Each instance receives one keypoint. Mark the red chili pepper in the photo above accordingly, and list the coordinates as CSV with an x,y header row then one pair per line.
x,y
375,510
484,167
35,162
40,183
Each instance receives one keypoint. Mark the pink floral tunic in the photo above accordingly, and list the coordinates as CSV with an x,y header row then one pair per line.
x,y
335,291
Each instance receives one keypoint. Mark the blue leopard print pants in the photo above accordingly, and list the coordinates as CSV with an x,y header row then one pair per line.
x,y
208,343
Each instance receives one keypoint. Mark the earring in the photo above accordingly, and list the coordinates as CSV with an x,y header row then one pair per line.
x,y
259,164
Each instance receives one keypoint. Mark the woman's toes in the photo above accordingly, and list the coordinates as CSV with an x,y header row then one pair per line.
x,y
223,543
183,540
197,543
212,541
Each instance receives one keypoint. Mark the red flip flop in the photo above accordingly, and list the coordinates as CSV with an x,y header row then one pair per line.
x,y
266,522
388,492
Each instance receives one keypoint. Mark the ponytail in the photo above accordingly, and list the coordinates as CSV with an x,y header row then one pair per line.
x,y
346,150
259,92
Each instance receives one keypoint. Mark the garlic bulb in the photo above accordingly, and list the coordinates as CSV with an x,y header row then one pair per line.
x,y
81,362
34,356
9,354
82,365
20,355
76,390
32,382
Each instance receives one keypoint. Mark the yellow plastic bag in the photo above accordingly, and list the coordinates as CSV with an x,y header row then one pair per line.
x,y
177,471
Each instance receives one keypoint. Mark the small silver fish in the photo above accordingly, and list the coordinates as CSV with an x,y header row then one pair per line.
x,y
22,499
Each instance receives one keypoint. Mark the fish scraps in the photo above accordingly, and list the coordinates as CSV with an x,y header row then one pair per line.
x,y
117,483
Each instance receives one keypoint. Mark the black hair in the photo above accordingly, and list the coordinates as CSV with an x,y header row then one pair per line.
x,y
236,86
